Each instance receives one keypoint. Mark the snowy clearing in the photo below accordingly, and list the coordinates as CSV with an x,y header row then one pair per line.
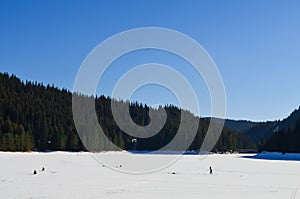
x,y
79,175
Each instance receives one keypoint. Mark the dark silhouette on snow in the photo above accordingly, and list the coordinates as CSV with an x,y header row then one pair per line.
x,y
210,171
43,169
173,172
34,172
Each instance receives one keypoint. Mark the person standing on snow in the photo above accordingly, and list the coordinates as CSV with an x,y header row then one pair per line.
x,y
210,170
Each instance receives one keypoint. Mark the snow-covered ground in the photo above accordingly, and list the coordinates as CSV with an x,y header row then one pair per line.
x,y
79,175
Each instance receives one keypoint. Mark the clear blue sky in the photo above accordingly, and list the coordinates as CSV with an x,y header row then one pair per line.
x,y
255,44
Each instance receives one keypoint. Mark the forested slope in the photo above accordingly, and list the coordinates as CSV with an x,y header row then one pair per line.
x,y
38,117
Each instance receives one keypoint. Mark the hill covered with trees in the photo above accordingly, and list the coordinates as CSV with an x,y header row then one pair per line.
x,y
285,137
38,117
276,136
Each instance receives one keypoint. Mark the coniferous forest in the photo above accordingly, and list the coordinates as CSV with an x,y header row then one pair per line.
x,y
283,140
38,117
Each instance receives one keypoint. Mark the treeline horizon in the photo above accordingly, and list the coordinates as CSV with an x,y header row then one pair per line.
x,y
38,117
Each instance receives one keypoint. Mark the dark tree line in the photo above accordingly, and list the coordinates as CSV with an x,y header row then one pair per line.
x,y
38,117
283,140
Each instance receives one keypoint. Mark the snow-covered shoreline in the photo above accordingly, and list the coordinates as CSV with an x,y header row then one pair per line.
x,y
79,175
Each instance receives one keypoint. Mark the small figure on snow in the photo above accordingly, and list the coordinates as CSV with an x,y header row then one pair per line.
x,y
43,169
210,170
34,172
173,172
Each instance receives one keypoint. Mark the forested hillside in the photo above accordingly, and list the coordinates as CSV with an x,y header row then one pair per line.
x,y
38,117
281,136
256,131
286,136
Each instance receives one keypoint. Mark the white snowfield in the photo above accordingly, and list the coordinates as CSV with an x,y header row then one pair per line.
x,y
79,175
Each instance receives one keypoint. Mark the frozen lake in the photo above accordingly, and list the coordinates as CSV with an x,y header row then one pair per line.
x,y
79,175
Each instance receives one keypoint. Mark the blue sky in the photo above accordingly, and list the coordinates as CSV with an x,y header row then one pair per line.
x,y
255,44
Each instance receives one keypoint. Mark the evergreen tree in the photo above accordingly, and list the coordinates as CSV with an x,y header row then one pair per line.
x,y
43,135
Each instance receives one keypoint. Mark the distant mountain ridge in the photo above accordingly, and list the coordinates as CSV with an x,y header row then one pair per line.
x,y
261,130
240,125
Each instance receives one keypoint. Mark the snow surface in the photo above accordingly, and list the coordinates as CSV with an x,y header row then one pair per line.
x,y
79,175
